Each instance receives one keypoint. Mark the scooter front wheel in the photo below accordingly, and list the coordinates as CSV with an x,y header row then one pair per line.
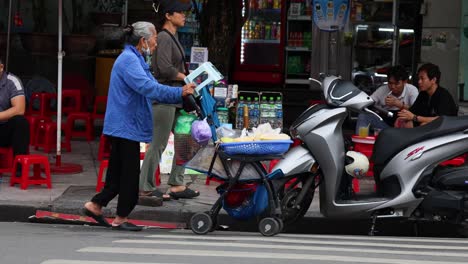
x,y
290,212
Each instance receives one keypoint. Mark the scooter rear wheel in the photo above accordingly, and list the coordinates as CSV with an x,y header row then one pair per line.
x,y
291,214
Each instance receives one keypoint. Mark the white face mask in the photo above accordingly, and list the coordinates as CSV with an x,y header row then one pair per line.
x,y
146,51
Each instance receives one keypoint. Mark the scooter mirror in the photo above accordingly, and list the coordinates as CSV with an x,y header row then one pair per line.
x,y
315,85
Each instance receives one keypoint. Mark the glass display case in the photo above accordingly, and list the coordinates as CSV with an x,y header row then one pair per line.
x,y
259,56
385,34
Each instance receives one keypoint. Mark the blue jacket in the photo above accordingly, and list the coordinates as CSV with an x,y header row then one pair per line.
x,y
131,90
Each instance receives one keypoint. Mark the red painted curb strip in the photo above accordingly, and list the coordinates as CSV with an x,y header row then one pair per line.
x,y
148,223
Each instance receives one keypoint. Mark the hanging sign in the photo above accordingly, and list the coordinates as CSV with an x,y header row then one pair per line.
x,y
330,15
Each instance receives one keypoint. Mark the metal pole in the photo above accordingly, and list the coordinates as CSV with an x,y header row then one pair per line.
x,y
8,37
60,55
396,33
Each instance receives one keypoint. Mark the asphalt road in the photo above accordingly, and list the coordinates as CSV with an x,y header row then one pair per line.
x,y
64,244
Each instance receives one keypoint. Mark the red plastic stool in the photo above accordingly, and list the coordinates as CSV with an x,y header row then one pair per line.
x,y
71,101
102,168
44,104
89,131
6,160
104,148
46,137
34,123
26,179
99,108
364,145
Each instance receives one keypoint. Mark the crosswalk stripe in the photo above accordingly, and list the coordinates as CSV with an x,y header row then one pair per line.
x,y
254,255
405,239
295,247
317,241
71,261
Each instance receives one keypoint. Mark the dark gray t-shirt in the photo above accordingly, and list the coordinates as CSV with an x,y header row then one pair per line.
x,y
10,86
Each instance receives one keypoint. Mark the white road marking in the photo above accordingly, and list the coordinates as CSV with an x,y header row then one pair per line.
x,y
403,239
71,261
253,255
295,247
317,242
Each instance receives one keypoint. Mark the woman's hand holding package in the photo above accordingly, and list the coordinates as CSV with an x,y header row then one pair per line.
x,y
188,89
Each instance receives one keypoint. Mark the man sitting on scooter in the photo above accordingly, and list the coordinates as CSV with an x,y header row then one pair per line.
x,y
397,94
432,102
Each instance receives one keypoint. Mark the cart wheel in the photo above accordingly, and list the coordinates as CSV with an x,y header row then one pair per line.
x,y
281,224
269,226
201,223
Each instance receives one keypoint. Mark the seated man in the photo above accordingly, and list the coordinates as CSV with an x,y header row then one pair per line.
x,y
397,94
14,128
432,102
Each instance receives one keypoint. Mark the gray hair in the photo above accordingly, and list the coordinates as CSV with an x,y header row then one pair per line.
x,y
143,29
138,30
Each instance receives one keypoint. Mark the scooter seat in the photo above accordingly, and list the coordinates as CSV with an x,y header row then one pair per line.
x,y
393,140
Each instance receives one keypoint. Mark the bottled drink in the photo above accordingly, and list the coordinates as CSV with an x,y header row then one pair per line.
x,y
267,31
278,31
271,111
240,113
263,110
279,112
255,112
273,31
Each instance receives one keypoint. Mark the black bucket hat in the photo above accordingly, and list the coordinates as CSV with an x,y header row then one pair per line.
x,y
169,6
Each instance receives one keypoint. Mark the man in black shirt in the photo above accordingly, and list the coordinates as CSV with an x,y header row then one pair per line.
x,y
432,101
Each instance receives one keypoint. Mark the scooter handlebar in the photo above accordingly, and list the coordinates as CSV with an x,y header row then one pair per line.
x,y
384,112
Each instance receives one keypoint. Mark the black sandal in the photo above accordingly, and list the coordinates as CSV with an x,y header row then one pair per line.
x,y
98,218
185,194
158,193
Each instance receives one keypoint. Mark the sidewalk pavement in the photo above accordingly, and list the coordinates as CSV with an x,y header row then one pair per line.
x,y
70,191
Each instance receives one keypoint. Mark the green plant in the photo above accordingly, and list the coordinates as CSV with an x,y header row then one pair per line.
x,y
110,6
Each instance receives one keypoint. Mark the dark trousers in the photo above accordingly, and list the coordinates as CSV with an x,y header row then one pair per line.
x,y
122,177
15,133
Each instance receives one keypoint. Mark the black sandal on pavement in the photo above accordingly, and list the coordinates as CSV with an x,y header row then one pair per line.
x,y
185,194
158,193
98,218
126,226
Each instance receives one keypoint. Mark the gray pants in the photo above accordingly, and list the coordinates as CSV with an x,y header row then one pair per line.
x,y
164,117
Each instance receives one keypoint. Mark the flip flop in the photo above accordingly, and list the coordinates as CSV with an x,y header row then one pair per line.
x,y
126,226
185,194
158,193
98,218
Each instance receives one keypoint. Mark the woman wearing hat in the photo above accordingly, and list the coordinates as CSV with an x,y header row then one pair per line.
x,y
169,68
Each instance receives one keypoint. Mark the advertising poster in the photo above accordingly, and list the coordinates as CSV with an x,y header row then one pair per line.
x,y
330,15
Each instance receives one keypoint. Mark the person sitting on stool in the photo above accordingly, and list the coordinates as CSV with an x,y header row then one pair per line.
x,y
394,96
14,128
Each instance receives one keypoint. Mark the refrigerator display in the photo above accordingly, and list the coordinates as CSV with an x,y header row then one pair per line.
x,y
377,46
259,56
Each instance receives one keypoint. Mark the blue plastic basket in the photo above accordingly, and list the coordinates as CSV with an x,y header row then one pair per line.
x,y
267,147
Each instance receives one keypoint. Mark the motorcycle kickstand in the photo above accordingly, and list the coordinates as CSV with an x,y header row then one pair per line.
x,y
372,230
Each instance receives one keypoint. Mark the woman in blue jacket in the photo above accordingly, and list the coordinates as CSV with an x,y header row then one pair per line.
x,y
128,121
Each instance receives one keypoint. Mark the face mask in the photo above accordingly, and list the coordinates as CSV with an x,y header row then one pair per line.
x,y
146,51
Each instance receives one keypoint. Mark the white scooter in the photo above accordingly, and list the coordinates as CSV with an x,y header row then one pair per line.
x,y
410,183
